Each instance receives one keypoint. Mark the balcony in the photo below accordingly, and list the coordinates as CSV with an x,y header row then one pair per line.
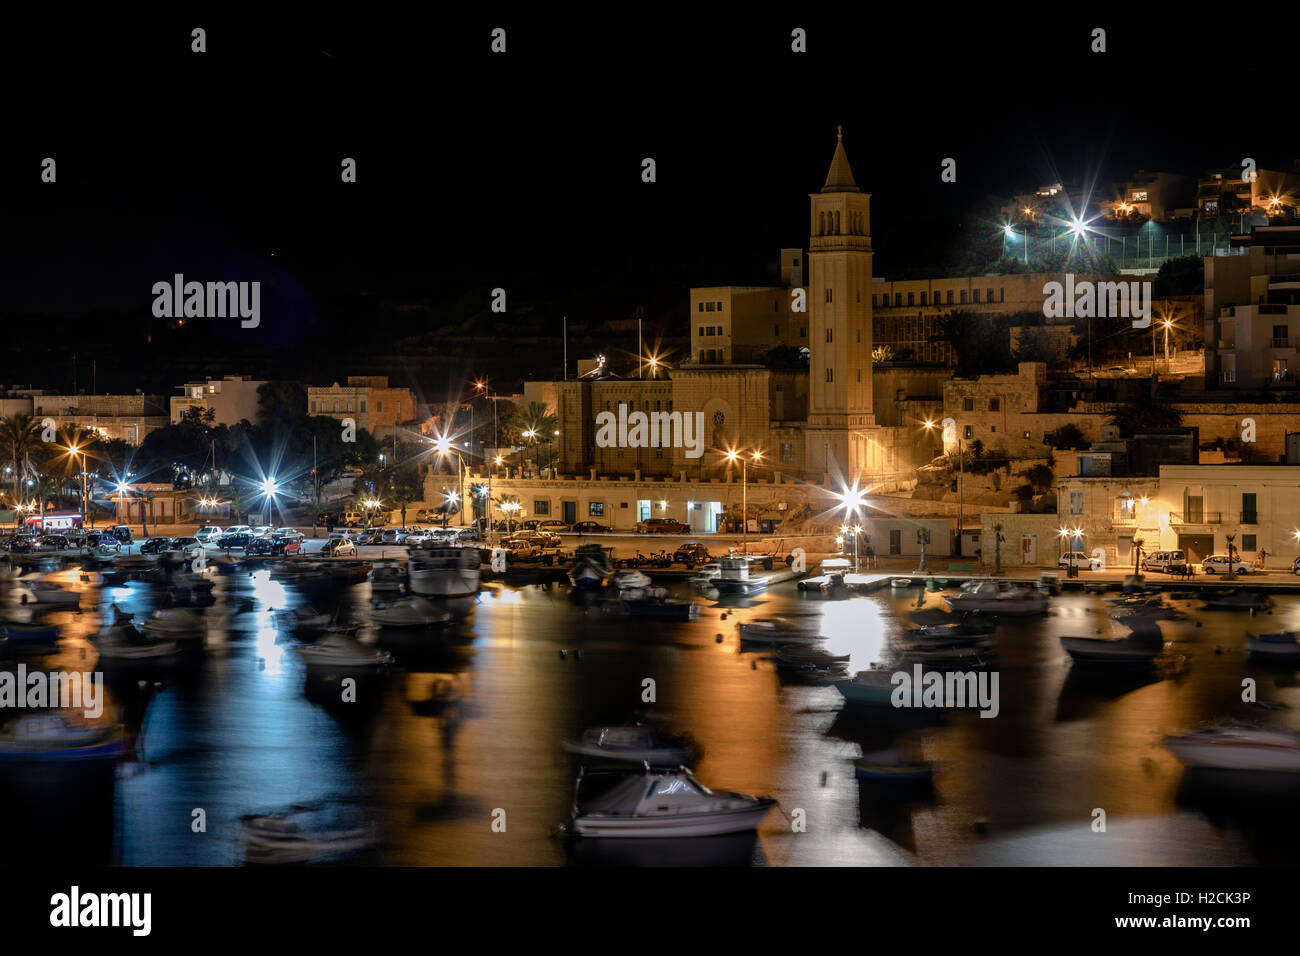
x,y
1282,343
1196,517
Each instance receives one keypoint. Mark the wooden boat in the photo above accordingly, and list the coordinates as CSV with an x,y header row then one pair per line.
x,y
1282,646
869,688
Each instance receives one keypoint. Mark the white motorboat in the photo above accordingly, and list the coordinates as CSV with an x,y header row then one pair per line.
x,y
444,571
304,618
410,611
668,804
337,651
829,575
276,839
734,577
1232,746
40,591
175,623
776,630
1282,646
634,743
626,580
988,597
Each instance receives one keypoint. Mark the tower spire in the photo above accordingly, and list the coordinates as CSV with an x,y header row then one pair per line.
x,y
840,177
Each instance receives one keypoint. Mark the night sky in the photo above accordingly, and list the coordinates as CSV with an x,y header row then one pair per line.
x,y
523,171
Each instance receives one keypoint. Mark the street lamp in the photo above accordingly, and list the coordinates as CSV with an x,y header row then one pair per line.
x,y
732,457
961,470
852,500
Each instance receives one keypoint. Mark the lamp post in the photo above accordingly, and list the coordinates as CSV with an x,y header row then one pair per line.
x,y
732,456
961,473
1167,323
74,451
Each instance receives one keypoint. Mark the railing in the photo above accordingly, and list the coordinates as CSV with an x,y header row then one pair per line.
x,y
1196,517
1282,378
1281,343
1228,377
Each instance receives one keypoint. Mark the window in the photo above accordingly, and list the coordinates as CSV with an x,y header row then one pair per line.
x,y
923,298
1247,542
970,431
701,331
542,506
787,451
701,308
803,332
1076,502
1127,506
708,330
964,295
874,303
719,306
949,297
977,295
995,404
719,329
349,406
596,509
1281,336
990,296
898,298
828,335
708,307
1248,515
830,374
379,406
776,331
968,404
313,407
911,298
859,375
828,295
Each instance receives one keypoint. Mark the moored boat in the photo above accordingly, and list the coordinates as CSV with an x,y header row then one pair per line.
x,y
734,576
591,568
1280,646
1102,650
869,688
988,597
776,630
444,571
1235,599
1232,746
636,744
668,804
343,653
410,611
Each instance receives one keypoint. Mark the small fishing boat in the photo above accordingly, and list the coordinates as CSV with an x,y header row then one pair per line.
x,y
655,602
626,580
278,840
902,583
668,804
387,576
410,611
734,577
52,738
636,744
45,593
334,651
591,568
707,576
932,621
946,656
17,635
124,650
304,618
869,688
777,630
1233,746
803,659
121,624
892,764
1235,599
990,597
1110,650
175,623
1281,646
444,571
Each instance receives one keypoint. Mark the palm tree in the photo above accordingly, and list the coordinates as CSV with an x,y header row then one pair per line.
x,y
512,500
313,508
402,496
22,434
45,488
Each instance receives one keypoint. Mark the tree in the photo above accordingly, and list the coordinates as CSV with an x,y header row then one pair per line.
x,y
1145,414
1066,438
1040,477
1033,344
22,434
313,509
1182,276
981,342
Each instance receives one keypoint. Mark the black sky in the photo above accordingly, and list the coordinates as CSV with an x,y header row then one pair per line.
x,y
523,170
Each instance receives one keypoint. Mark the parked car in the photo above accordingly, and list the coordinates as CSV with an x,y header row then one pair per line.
x,y
21,544
424,514
522,547
591,527
545,540
156,546
1295,566
262,531
692,553
369,536
276,544
190,547
122,533
353,519
393,536
103,541
1218,563
237,540
339,548
239,529
662,526
1078,559
466,534
52,542
208,533
1170,562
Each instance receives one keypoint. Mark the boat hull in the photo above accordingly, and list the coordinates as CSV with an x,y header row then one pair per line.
x,y
1262,757
715,823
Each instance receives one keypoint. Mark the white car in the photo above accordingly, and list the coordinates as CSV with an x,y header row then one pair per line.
x,y
1217,563
1078,559
1170,562
237,529
208,533
418,536
263,531
394,536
